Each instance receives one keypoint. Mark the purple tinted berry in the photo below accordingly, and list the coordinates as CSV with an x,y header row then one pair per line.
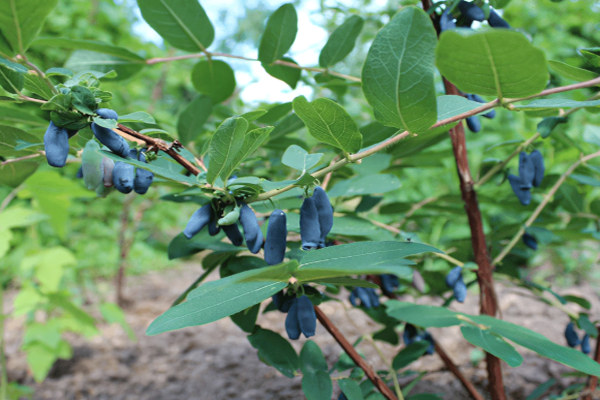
x,y
276,241
325,212
310,231
197,221
530,241
389,283
292,325
585,344
368,297
538,166
233,234
123,175
460,290
471,11
496,21
56,145
252,232
524,195
307,318
473,123
453,276
526,170
571,335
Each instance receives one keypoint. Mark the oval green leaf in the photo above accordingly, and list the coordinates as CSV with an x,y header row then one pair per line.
x,y
224,147
279,34
214,78
341,42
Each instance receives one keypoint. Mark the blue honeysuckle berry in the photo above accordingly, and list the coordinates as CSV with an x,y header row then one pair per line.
x,y
283,301
79,174
123,176
325,212
496,21
276,241
538,166
198,220
453,276
410,332
367,296
252,232
143,178
470,11
107,137
530,241
447,21
307,317
107,113
56,145
585,344
526,170
460,290
292,325
310,230
571,335
233,234
411,335
524,195
474,97
213,227
473,123
389,283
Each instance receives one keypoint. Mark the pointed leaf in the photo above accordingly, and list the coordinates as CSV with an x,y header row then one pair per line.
x,y
341,42
492,344
191,120
329,123
21,20
224,147
279,34
252,141
571,72
298,158
398,73
86,60
497,62
275,351
289,75
182,23
12,75
316,382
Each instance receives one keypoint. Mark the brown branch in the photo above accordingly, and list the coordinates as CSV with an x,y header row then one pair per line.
x,y
353,354
454,369
593,380
27,157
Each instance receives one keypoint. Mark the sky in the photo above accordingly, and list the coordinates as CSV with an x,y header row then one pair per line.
x,y
255,84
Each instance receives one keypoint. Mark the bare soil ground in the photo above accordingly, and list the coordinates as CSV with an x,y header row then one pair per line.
x,y
215,361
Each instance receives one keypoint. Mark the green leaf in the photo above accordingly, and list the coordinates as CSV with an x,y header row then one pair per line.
x,y
15,217
138,116
585,179
279,34
398,74
351,389
289,75
192,119
91,45
275,351
214,300
425,316
252,141
556,103
547,125
224,147
341,42
316,382
214,78
21,20
541,389
329,123
410,353
367,184
12,76
495,62
182,23
181,246
11,138
10,115
571,72
14,174
246,319
83,100
345,281
38,85
592,55
86,60
298,158
492,344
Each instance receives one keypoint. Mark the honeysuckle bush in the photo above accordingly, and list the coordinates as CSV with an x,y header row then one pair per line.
x,y
414,197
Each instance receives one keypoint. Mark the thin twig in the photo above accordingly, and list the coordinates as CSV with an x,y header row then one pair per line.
x,y
27,157
456,371
353,354
547,198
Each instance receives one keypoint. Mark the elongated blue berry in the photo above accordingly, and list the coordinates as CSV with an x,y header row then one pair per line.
x,y
389,283
108,166
571,335
107,137
276,241
460,290
310,230
213,227
524,195
123,176
79,174
107,113
453,276
307,318
446,21
368,297
143,178
252,232
283,301
530,241
538,166
473,123
292,325
585,344
471,11
325,212
56,145
526,170
409,334
233,234
197,221
496,21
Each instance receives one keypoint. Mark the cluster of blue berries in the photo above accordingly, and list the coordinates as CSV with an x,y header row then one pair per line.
x,y
301,317
316,220
574,341
531,173
368,296
99,172
454,280
412,334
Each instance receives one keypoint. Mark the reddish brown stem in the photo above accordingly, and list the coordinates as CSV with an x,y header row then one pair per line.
x,y
454,369
487,300
593,380
358,360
